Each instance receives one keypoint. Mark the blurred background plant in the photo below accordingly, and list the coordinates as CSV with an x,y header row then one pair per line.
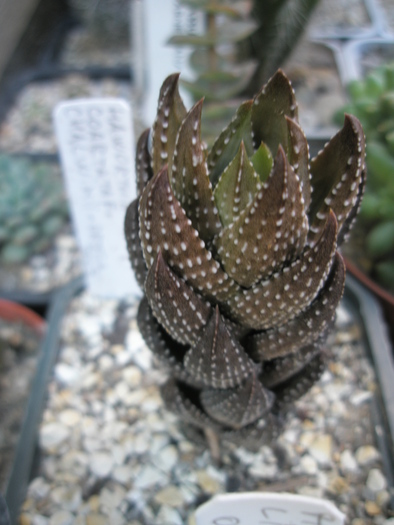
x,y
372,242
244,43
33,208
106,20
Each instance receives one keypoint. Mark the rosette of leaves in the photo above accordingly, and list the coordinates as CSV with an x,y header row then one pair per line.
x,y
236,251
372,246
33,208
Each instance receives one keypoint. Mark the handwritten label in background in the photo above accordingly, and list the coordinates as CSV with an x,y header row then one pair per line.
x,y
96,144
254,508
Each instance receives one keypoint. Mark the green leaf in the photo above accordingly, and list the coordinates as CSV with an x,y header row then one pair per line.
x,y
380,241
228,33
385,274
210,7
228,142
236,187
262,161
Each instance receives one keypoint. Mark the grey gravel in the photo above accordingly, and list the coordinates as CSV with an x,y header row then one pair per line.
x,y
126,457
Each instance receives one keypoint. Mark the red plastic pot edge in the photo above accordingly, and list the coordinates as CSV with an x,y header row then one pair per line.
x,y
13,312
375,288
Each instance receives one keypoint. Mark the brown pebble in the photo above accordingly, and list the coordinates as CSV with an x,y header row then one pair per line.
x,y
372,508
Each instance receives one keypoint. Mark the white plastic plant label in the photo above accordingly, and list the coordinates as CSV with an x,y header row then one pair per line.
x,y
96,145
265,508
152,24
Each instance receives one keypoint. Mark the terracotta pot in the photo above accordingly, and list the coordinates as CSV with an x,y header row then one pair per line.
x,y
385,298
14,312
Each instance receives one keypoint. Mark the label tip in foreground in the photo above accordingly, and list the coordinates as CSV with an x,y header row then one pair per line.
x,y
265,508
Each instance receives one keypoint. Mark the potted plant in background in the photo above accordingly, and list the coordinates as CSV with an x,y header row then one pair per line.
x,y
370,252
33,212
21,333
241,47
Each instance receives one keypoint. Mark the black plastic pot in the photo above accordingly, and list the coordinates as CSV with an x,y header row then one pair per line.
x,y
368,312
20,474
360,302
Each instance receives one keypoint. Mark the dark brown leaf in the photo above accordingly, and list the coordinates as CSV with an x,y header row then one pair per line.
x,y
285,294
143,166
239,406
270,107
179,399
282,369
217,359
167,351
287,393
165,227
131,229
252,436
189,177
336,177
298,156
307,326
170,113
181,311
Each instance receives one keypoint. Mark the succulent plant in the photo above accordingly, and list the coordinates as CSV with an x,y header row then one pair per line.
x,y
33,208
236,251
372,246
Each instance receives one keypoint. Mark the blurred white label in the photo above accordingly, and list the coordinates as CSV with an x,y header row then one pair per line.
x,y
152,24
265,508
96,144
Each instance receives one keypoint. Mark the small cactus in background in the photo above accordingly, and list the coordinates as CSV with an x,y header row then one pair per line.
x,y
236,251
372,101
220,75
242,45
33,208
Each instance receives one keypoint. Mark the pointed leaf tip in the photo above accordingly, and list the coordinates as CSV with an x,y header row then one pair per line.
x,y
269,232
165,227
175,305
170,113
190,181
217,359
239,406
337,173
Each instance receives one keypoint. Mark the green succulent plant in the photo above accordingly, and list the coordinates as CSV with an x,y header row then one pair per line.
x,y
236,250
33,208
372,101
